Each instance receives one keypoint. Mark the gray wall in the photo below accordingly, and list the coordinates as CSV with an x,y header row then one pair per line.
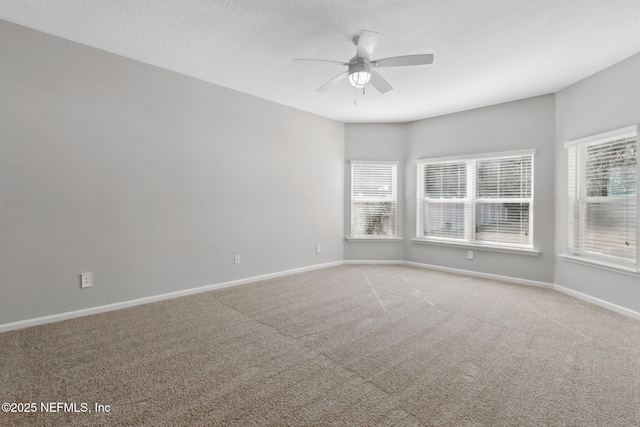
x,y
520,125
605,101
153,180
149,179
382,142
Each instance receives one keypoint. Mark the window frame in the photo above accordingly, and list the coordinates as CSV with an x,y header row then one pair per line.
x,y
472,200
577,198
391,166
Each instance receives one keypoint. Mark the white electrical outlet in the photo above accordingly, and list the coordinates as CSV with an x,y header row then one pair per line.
x,y
318,248
86,280
236,260
469,254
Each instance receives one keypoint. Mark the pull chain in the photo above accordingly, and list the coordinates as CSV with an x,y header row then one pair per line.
x,y
355,93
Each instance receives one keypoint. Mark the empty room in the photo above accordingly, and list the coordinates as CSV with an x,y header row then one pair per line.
x,y
310,213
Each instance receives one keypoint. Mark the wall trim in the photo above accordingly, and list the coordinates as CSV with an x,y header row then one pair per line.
x,y
376,240
579,295
629,270
139,301
21,324
509,279
476,246
597,301
372,261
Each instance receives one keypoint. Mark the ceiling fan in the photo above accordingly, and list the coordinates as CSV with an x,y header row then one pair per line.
x,y
360,67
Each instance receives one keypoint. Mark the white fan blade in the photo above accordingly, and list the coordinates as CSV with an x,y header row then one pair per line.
x,y
315,61
366,43
403,61
332,82
378,82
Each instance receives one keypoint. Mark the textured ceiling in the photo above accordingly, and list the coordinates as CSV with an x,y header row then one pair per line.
x,y
486,52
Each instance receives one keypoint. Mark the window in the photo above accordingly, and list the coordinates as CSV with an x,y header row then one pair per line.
x,y
602,196
482,200
374,199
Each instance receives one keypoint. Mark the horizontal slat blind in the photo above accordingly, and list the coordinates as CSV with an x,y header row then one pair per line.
x,y
446,181
503,200
508,178
373,200
602,182
485,200
445,219
445,197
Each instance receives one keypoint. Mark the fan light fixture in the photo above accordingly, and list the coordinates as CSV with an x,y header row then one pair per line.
x,y
359,76
360,68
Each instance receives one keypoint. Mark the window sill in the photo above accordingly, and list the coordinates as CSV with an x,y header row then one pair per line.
x,y
630,270
478,247
375,239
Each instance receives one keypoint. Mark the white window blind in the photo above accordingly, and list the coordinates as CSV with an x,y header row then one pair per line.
x,y
486,200
374,199
602,181
445,200
503,200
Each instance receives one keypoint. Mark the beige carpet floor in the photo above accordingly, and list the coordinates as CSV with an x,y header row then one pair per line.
x,y
344,346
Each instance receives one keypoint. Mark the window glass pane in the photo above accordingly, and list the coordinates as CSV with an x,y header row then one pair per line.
x,y
444,220
610,169
602,195
504,178
503,223
610,229
477,200
373,199
446,181
373,219
372,182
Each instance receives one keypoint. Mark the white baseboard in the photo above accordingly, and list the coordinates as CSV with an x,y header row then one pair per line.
x,y
130,303
482,275
358,261
584,297
124,304
597,301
